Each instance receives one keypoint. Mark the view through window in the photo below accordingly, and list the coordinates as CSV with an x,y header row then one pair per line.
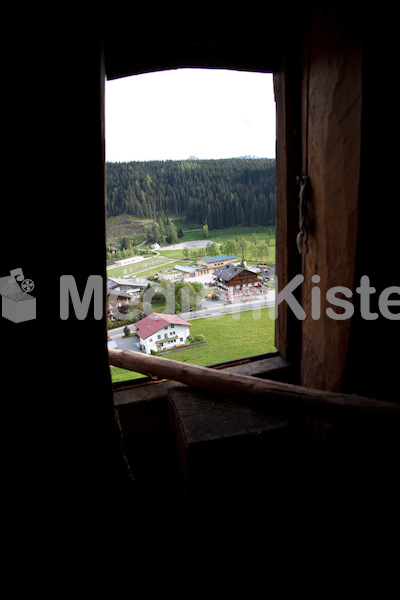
x,y
191,215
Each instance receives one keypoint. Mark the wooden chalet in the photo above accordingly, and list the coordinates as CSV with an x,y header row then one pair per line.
x,y
236,283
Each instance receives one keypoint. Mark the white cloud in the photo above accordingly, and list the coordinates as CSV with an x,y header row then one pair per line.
x,y
206,113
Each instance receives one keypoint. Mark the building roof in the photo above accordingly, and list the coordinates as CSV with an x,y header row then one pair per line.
x,y
113,282
185,269
118,294
210,259
227,272
156,321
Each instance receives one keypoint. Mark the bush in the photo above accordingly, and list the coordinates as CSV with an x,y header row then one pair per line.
x,y
195,339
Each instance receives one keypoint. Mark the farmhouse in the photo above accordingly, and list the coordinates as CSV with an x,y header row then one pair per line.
x,y
234,283
170,275
120,293
115,301
159,331
216,261
130,286
178,273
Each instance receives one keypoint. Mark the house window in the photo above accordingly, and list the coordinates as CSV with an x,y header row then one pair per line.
x,y
159,337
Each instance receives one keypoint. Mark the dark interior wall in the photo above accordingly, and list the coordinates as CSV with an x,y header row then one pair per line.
x,y
57,417
250,39
373,357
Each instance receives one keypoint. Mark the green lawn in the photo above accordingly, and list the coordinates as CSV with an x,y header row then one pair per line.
x,y
216,235
229,337
147,267
230,233
220,236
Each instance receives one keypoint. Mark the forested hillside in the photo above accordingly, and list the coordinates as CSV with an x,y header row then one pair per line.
x,y
222,193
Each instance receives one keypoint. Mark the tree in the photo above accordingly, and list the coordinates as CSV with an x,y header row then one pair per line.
x,y
230,247
264,251
187,296
206,231
242,249
214,249
225,192
125,242
171,232
156,233
197,286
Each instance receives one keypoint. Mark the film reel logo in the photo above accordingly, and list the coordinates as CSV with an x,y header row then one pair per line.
x,y
17,303
27,285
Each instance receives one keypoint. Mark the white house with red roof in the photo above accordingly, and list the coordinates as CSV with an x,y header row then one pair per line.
x,y
159,331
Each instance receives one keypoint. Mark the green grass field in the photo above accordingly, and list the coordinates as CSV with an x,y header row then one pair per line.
x,y
220,236
229,337
148,266
230,233
147,269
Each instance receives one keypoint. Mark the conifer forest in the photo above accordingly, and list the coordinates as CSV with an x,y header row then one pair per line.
x,y
222,193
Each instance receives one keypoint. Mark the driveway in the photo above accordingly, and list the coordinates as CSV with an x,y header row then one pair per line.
x,y
129,343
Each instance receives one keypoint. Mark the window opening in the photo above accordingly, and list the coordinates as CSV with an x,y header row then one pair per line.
x,y
191,213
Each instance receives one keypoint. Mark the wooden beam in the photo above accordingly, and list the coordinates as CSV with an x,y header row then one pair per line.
x,y
275,395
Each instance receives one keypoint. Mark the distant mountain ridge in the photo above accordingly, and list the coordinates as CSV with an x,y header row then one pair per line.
x,y
225,192
251,157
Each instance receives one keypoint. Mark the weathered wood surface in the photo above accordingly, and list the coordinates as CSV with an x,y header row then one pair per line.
x,y
222,445
275,395
331,137
133,392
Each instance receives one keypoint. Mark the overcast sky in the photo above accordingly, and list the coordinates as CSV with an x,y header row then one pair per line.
x,y
200,112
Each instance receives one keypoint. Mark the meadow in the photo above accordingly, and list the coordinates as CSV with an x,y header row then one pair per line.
x,y
147,267
220,236
229,337
150,267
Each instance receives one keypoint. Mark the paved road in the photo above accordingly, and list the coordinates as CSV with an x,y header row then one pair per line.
x,y
214,307
211,308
